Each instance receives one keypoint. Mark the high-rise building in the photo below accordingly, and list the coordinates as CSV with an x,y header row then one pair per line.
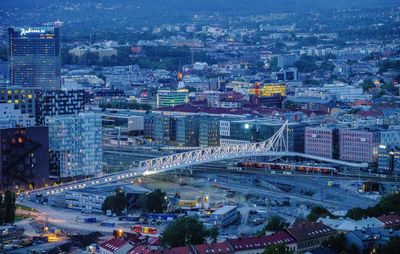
x,y
209,132
321,141
187,131
389,151
23,99
14,117
53,103
359,145
75,143
34,55
24,154
240,132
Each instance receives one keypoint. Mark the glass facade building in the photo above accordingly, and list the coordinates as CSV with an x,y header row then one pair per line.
x,y
34,55
75,143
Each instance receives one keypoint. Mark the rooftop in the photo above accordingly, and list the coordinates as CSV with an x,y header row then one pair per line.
x,y
113,244
261,242
304,230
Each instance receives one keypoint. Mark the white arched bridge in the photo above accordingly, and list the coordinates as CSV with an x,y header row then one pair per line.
x,y
275,146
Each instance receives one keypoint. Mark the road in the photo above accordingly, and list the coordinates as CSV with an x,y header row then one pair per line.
x,y
67,219
38,248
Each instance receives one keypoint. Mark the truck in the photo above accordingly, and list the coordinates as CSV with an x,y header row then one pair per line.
x,y
144,229
89,220
108,224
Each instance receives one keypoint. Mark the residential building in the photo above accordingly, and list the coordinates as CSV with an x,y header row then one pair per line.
x,y
75,144
54,103
345,225
309,234
24,157
257,244
34,55
391,221
115,246
368,240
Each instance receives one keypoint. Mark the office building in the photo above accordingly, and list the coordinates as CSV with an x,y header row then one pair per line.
x,y
359,145
34,55
389,159
75,143
209,131
165,129
251,131
54,103
171,98
24,157
187,131
321,141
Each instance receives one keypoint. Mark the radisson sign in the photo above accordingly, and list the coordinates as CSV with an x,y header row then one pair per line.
x,y
30,30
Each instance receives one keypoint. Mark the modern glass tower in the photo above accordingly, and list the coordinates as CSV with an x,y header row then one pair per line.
x,y
34,54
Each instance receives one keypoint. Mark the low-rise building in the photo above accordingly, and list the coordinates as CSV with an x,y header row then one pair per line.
x,y
224,216
257,244
115,246
91,199
309,234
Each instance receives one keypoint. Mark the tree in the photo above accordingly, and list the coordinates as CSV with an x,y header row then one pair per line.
x,y
336,242
154,202
306,64
116,203
277,249
318,212
184,231
388,204
276,224
9,206
393,246
213,233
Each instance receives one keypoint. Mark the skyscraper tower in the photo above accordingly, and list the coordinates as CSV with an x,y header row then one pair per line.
x,y
34,54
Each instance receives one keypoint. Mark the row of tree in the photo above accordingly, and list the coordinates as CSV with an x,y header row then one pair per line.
x,y
152,202
7,207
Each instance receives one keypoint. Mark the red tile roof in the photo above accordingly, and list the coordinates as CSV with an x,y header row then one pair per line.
x,y
113,244
392,220
146,250
304,230
261,242
215,248
141,250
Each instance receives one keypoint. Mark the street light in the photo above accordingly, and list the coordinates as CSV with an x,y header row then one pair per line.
x,y
120,233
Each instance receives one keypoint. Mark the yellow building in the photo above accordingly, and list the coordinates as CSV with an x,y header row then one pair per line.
x,y
271,89
268,89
